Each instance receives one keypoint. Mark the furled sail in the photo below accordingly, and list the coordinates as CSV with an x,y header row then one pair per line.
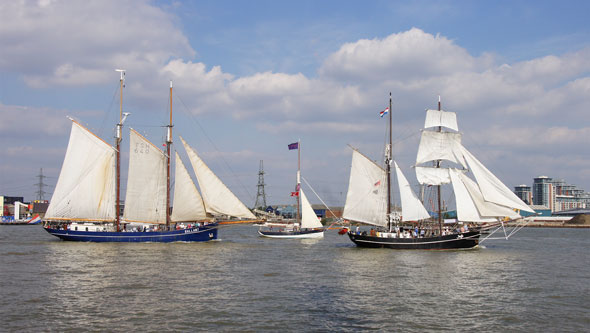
x,y
145,200
435,118
440,146
188,204
366,200
308,217
412,208
86,188
217,197
491,187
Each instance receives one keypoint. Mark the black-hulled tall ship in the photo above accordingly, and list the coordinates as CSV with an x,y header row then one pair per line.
x,y
481,202
85,203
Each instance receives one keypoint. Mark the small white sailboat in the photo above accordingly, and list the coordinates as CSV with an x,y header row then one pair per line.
x,y
307,224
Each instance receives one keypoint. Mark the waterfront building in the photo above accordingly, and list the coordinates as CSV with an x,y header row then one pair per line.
x,y
543,193
555,194
524,193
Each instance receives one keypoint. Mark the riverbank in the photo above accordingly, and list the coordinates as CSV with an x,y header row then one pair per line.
x,y
579,221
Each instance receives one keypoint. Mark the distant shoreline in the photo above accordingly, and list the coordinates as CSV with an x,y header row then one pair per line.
x,y
553,225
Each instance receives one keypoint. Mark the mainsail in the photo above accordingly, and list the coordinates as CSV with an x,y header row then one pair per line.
x,y
366,200
145,200
188,204
308,217
217,197
85,189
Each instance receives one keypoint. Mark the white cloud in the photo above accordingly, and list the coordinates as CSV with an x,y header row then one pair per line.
x,y
77,42
406,56
313,127
23,121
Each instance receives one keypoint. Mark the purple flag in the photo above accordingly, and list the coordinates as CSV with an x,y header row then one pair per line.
x,y
294,146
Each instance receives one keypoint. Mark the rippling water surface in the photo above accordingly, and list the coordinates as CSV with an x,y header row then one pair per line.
x,y
538,280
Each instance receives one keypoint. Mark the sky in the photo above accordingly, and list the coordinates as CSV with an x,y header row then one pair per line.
x,y
251,77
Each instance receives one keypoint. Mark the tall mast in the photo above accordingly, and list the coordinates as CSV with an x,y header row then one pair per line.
x,y
438,186
298,188
118,152
168,146
388,159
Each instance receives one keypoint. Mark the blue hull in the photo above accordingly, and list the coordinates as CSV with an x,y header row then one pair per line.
x,y
198,234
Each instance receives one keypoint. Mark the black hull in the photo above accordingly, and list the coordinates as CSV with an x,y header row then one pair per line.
x,y
466,240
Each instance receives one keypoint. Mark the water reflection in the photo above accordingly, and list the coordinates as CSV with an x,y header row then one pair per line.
x,y
245,282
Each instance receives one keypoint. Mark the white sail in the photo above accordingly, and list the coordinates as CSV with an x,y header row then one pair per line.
x,y
485,208
86,188
145,200
412,208
217,197
188,204
367,192
440,146
308,217
432,176
435,118
466,209
491,187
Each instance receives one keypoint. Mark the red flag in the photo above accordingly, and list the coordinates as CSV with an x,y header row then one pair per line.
x,y
294,194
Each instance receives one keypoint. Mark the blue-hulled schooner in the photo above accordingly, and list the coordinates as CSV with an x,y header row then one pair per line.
x,y
85,204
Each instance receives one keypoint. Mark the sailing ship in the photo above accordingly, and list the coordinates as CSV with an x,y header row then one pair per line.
x,y
482,202
85,204
307,224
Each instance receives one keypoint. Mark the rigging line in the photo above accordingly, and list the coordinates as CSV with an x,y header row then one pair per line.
x,y
314,192
337,220
104,119
404,138
214,146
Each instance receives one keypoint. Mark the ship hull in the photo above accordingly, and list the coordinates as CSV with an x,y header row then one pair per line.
x,y
197,234
302,234
466,240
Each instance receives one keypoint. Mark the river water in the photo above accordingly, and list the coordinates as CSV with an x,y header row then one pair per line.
x,y
538,280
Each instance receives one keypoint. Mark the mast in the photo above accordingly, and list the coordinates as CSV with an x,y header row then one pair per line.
x,y
298,188
168,146
438,186
388,159
118,153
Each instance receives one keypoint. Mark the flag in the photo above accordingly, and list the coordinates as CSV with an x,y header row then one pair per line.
x,y
295,194
294,146
384,112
